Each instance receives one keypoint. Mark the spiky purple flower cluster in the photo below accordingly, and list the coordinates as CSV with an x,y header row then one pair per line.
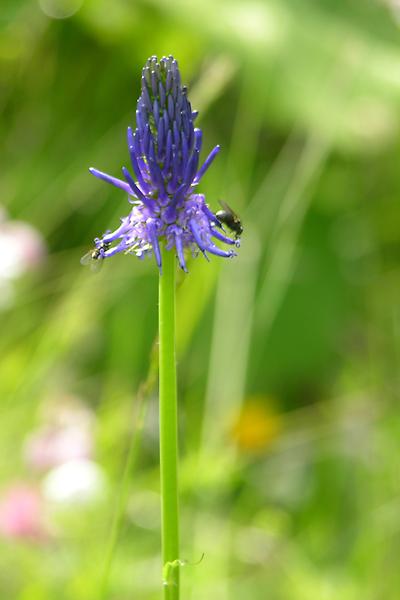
x,y
164,151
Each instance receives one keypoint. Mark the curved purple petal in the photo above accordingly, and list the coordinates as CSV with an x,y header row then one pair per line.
x,y
207,163
222,238
113,180
180,252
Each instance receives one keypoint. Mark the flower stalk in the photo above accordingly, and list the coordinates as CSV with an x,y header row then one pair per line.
x,y
168,423
170,220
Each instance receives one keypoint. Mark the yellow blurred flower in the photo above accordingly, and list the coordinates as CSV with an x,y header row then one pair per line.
x,y
257,425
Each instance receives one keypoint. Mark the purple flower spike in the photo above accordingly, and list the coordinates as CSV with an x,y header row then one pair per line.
x,y
164,153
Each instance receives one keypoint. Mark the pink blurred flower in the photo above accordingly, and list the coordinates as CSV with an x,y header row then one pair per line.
x,y
52,447
21,513
66,435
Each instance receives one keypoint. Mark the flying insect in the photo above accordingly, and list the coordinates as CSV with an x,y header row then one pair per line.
x,y
94,257
229,218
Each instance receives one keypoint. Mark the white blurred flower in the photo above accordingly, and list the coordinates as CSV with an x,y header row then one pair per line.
x,y
21,249
77,482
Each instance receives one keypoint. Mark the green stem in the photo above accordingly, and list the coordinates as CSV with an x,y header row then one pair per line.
x,y
168,429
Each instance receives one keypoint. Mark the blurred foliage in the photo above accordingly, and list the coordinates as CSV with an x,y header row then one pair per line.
x,y
304,99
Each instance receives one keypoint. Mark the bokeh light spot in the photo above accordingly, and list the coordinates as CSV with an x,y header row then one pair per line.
x,y
60,9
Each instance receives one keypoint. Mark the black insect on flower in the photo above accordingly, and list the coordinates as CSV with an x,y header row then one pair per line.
x,y
164,152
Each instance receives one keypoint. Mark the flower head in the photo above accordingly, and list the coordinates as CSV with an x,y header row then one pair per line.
x,y
164,152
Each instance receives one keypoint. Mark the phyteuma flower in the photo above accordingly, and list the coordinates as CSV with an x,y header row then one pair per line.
x,y
164,152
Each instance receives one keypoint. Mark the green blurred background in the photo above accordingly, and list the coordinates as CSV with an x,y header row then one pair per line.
x,y
288,356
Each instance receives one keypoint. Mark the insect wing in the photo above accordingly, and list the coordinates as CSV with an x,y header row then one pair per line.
x,y
95,264
87,258
228,209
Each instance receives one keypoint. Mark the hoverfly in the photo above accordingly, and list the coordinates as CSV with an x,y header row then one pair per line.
x,y
229,218
94,257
